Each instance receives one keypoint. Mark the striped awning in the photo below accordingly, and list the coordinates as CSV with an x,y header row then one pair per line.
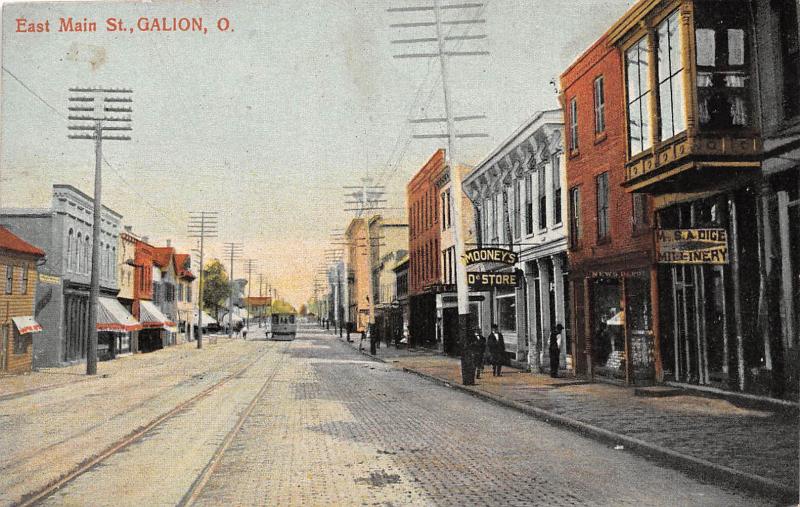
x,y
112,316
26,325
152,318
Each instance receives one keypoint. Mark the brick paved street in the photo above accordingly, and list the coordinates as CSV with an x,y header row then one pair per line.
x,y
758,442
311,422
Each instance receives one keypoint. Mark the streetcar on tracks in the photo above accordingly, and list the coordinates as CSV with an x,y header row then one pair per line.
x,y
282,326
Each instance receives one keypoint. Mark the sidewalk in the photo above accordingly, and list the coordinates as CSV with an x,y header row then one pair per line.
x,y
43,379
713,438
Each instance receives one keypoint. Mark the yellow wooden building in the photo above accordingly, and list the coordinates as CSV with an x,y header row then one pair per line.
x,y
18,279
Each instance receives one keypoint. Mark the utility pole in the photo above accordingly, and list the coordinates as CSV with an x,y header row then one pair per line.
x,y
94,108
443,53
202,225
234,252
260,294
249,264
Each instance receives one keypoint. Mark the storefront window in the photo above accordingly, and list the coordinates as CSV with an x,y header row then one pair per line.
x,y
507,311
608,343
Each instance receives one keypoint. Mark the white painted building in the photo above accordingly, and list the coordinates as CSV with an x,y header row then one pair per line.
x,y
518,194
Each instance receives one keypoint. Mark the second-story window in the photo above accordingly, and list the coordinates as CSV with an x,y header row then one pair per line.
x,y
189,293
640,218
529,203
602,207
556,174
24,286
542,198
9,279
670,78
517,204
573,124
494,220
599,106
444,211
723,77
574,216
638,77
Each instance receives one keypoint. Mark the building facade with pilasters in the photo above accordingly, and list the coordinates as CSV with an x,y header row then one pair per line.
x,y
518,198
778,33
64,233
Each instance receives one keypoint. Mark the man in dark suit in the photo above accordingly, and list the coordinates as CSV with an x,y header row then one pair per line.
x,y
497,350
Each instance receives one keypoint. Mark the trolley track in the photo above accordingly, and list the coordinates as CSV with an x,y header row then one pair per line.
x,y
199,483
139,404
37,496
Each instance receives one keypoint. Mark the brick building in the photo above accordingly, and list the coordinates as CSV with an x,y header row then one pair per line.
x,y
155,325
18,261
358,273
612,275
424,239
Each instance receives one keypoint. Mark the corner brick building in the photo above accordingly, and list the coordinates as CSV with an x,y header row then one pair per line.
x,y
612,274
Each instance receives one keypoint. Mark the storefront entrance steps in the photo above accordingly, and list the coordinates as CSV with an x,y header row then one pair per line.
x,y
658,391
743,400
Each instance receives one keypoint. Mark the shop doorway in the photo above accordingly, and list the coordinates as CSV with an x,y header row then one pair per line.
x,y
450,331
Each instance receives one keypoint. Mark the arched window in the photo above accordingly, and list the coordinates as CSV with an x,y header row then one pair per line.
x,y
78,257
70,248
86,253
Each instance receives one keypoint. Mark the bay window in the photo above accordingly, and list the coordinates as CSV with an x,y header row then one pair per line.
x,y
670,78
723,75
638,82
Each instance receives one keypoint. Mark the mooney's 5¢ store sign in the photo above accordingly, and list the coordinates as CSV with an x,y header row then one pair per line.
x,y
692,246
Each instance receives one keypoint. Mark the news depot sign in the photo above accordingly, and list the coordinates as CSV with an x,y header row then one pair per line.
x,y
692,246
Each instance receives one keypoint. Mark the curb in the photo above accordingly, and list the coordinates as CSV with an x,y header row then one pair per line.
x,y
706,470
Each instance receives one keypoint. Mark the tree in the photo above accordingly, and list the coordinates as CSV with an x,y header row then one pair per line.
x,y
215,286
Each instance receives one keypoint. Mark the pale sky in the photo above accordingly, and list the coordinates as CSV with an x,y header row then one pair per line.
x,y
266,122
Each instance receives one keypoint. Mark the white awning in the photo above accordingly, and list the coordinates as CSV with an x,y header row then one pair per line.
x,y
26,325
112,316
207,319
236,319
152,318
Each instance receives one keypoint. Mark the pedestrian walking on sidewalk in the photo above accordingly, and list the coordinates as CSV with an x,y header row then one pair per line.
x,y
480,352
373,340
497,351
555,349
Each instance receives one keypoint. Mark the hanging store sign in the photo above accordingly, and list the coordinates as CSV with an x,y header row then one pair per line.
x,y
487,281
692,246
500,255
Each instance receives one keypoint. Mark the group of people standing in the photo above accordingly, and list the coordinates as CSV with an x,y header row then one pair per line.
x,y
491,350
479,350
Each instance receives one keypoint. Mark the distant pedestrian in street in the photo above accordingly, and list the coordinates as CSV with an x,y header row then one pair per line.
x,y
497,351
361,342
244,333
554,349
480,352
